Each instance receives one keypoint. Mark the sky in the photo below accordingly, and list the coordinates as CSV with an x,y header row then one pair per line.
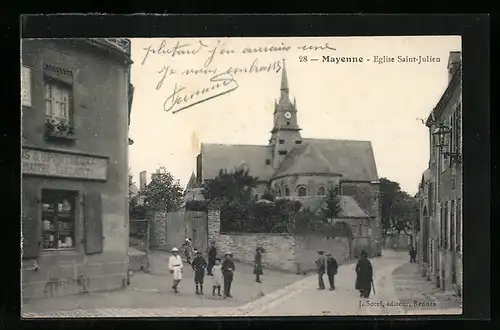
x,y
343,98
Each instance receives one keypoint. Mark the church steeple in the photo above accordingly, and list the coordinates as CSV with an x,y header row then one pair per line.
x,y
284,84
286,131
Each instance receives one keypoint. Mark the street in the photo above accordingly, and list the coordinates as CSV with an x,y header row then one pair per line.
x,y
285,294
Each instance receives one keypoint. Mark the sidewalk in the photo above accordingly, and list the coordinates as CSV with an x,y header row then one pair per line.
x,y
416,293
153,291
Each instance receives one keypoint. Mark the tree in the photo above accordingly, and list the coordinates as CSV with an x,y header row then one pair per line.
x,y
333,207
163,193
230,188
399,209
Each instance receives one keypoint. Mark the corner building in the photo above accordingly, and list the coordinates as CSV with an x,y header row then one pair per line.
x,y
76,101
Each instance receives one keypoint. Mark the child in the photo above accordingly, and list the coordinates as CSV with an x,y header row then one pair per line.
x,y
217,277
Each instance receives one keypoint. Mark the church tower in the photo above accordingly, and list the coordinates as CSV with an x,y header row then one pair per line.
x,y
285,134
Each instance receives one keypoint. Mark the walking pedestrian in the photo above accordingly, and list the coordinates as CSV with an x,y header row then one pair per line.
x,y
331,269
218,278
199,264
321,265
258,271
212,254
175,266
413,255
188,250
364,275
228,273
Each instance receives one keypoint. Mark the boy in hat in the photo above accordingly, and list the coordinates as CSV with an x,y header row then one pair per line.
x,y
331,270
175,266
321,264
218,278
228,272
199,264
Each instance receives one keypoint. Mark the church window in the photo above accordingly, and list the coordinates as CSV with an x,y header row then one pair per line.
x,y
268,162
321,191
287,191
288,123
282,152
282,141
302,191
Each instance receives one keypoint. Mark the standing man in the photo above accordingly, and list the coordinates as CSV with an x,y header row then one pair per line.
x,y
364,278
331,270
175,266
413,254
227,273
258,271
199,264
212,254
321,265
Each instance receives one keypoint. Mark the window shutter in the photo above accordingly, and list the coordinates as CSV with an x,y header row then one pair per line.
x,y
30,220
93,223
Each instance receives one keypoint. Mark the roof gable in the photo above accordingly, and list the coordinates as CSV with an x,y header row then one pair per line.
x,y
304,159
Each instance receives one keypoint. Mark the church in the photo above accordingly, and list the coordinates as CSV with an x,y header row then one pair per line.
x,y
299,168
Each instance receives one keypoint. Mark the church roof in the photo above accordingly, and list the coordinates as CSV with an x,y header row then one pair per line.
x,y
192,183
354,160
304,159
226,156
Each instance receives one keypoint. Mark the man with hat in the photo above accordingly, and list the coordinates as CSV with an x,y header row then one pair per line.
x,y
331,270
321,265
228,272
175,266
199,264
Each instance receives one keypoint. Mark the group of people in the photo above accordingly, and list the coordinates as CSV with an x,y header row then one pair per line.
x,y
364,273
222,273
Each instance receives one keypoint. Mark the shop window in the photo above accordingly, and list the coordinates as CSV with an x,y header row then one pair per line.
x,y
321,191
58,219
302,191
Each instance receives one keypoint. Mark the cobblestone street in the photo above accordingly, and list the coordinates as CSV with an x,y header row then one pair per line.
x,y
411,287
397,283
152,292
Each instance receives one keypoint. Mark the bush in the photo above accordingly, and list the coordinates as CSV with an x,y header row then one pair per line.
x,y
199,206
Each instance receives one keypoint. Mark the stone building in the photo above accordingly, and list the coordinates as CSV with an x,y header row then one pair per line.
x,y
440,190
300,168
76,105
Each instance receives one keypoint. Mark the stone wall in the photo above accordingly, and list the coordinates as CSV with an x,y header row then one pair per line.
x,y
307,247
158,232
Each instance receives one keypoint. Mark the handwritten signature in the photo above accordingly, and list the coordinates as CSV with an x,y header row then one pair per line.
x,y
222,83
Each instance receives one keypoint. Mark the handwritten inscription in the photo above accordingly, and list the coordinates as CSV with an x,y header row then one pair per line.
x,y
221,79
50,163
221,84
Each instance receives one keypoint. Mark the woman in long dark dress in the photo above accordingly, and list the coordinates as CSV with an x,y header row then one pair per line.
x,y
258,271
364,276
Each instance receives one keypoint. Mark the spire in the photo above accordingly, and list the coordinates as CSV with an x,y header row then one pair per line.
x,y
284,79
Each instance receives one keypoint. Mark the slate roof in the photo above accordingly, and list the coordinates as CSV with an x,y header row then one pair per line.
x,y
192,182
354,160
225,156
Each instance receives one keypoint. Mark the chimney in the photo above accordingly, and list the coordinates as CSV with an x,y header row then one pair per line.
x,y
454,62
142,180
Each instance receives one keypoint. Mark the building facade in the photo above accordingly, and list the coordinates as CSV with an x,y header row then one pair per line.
x,y
300,168
76,105
440,190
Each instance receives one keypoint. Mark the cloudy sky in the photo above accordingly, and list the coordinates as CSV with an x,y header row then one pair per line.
x,y
379,102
